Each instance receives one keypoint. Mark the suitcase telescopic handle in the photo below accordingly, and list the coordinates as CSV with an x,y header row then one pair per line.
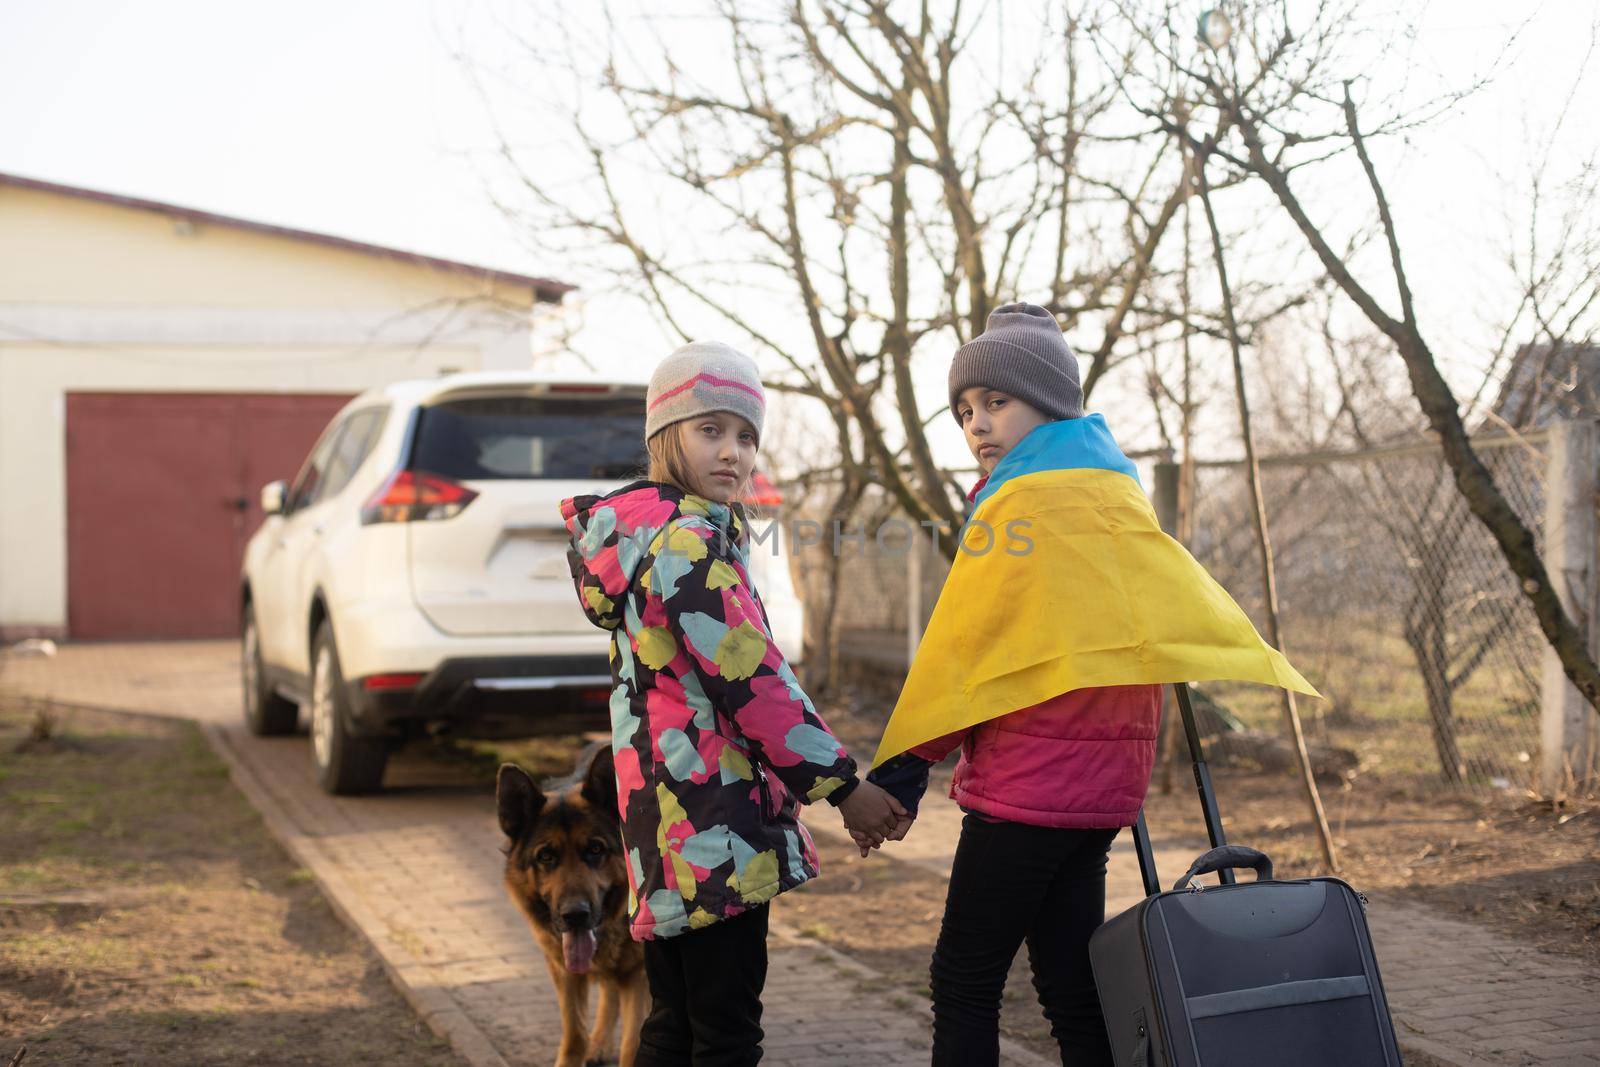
x,y
1226,858
1208,800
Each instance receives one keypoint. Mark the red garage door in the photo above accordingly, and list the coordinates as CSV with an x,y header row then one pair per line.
x,y
163,491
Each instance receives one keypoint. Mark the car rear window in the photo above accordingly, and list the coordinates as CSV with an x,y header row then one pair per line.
x,y
485,438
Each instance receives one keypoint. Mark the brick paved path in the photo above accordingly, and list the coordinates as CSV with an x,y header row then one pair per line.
x,y
417,871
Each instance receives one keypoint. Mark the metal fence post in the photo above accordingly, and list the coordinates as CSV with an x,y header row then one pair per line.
x,y
1164,494
913,597
1569,731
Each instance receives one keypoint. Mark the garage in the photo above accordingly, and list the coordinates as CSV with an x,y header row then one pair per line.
x,y
159,364
162,494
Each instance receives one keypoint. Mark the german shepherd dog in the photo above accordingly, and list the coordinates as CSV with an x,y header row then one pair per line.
x,y
565,869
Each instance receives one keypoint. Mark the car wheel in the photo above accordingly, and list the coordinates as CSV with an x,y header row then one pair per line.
x,y
345,763
266,714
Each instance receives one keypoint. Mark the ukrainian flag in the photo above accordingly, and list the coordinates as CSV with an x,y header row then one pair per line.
x,y
1065,581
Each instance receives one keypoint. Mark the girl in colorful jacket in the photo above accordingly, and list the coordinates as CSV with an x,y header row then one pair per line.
x,y
716,744
1045,788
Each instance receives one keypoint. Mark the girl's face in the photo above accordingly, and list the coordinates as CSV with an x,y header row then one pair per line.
x,y
721,452
994,422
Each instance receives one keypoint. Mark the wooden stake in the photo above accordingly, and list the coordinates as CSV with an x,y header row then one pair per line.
x,y
1258,511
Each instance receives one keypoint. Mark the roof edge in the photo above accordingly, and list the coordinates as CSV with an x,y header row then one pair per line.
x,y
546,290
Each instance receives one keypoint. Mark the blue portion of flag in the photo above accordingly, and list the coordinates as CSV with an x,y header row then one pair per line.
x,y
1070,444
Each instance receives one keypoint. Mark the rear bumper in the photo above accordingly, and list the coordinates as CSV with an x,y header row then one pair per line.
x,y
456,679
384,636
492,696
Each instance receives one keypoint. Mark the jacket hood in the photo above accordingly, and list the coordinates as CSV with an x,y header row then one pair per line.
x,y
612,533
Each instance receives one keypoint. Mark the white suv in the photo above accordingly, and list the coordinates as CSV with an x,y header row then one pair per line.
x,y
413,577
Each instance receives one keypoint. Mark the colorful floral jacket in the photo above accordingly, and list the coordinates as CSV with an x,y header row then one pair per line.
x,y
716,744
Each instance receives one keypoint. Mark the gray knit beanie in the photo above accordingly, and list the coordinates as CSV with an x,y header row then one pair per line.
x,y
700,378
1020,353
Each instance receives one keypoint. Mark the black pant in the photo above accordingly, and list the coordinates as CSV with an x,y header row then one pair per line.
x,y
1010,883
705,992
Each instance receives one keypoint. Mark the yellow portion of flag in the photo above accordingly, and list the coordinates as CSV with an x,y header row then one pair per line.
x,y
1101,596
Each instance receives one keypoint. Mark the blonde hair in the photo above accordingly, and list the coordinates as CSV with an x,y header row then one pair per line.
x,y
669,463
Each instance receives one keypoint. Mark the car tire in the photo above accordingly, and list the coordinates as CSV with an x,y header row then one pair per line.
x,y
266,714
345,762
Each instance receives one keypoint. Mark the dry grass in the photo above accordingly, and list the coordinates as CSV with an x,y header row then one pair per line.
x,y
147,918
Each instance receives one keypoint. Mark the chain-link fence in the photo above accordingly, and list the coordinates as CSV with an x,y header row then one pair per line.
x,y
880,558
1396,602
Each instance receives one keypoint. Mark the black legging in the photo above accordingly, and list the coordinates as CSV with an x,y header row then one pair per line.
x,y
1011,882
705,993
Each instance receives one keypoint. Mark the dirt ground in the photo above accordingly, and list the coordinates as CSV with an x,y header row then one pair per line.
x,y
1528,870
1531,871
146,917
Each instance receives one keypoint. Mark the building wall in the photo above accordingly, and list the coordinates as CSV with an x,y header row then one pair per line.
x,y
104,297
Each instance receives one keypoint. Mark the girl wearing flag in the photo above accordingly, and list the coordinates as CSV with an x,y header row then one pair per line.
x,y
1043,665
716,745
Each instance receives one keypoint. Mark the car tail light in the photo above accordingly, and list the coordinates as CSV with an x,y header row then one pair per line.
x,y
373,683
762,493
416,496
595,695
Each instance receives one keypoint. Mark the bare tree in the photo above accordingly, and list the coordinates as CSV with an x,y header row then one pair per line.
x,y
1287,96
858,166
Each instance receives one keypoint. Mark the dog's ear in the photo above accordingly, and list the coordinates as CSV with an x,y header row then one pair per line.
x,y
519,799
600,782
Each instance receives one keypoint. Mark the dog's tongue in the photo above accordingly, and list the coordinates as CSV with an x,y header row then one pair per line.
x,y
578,949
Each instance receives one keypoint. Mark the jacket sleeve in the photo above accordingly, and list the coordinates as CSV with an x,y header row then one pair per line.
x,y
714,618
936,750
904,777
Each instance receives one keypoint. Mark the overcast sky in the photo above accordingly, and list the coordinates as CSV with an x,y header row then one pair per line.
x,y
353,118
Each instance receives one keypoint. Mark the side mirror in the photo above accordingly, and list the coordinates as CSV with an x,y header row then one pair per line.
x,y
272,497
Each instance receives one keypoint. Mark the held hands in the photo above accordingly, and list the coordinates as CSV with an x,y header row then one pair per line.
x,y
902,827
873,816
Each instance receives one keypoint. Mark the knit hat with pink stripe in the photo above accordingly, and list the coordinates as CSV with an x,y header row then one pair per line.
x,y
700,378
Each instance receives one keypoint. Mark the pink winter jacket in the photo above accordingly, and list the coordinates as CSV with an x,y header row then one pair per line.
x,y
1079,760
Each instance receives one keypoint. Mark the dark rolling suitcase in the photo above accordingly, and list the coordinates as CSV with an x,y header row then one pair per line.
x,y
1242,974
